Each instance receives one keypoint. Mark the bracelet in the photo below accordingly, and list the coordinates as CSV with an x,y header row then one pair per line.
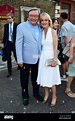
x,y
54,59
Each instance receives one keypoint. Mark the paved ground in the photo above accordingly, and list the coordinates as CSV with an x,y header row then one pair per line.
x,y
11,100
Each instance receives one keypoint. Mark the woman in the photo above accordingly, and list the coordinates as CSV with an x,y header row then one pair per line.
x,y
48,76
71,69
55,24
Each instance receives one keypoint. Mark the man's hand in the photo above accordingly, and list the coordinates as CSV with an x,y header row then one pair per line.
x,y
20,64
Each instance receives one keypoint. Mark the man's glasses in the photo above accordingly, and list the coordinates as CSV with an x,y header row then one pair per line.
x,y
35,16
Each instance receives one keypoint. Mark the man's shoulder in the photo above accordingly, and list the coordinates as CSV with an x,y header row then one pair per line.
x,y
6,24
67,23
21,24
16,23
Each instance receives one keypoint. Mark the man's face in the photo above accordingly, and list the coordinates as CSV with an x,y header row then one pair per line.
x,y
33,17
9,19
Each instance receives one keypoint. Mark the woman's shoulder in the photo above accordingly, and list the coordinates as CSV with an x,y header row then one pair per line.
x,y
53,31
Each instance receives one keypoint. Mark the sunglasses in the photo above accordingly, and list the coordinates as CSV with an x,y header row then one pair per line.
x,y
9,18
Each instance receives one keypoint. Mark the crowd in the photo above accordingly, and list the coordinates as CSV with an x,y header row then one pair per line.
x,y
33,42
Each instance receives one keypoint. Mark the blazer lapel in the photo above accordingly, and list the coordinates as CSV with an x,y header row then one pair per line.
x,y
7,32
29,29
14,26
13,31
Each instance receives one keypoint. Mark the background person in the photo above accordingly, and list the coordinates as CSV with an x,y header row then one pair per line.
x,y
55,24
71,69
67,31
9,38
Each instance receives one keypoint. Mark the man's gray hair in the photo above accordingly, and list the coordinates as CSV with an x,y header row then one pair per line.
x,y
32,9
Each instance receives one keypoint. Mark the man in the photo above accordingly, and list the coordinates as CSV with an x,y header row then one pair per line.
x,y
9,40
67,31
28,48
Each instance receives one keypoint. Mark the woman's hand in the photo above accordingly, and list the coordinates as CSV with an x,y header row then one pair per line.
x,y
54,63
70,60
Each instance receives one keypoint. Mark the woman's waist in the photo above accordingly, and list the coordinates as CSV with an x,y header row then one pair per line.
x,y
47,48
47,53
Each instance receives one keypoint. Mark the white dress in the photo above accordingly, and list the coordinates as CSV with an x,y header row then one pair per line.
x,y
47,75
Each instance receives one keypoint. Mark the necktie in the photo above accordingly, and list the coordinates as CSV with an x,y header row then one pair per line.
x,y
11,32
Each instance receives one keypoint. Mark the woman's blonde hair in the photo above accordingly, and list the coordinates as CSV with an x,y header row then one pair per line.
x,y
47,16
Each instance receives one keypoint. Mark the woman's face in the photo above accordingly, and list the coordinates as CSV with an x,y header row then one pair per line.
x,y
45,22
55,24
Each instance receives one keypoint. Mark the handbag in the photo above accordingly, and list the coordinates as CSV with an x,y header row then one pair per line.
x,y
4,54
49,61
62,57
66,50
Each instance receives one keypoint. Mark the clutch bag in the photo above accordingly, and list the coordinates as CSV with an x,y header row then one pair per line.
x,y
49,61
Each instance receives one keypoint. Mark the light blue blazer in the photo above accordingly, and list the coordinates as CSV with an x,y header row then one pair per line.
x,y
28,48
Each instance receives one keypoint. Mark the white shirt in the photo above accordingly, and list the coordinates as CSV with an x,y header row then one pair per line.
x,y
10,39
